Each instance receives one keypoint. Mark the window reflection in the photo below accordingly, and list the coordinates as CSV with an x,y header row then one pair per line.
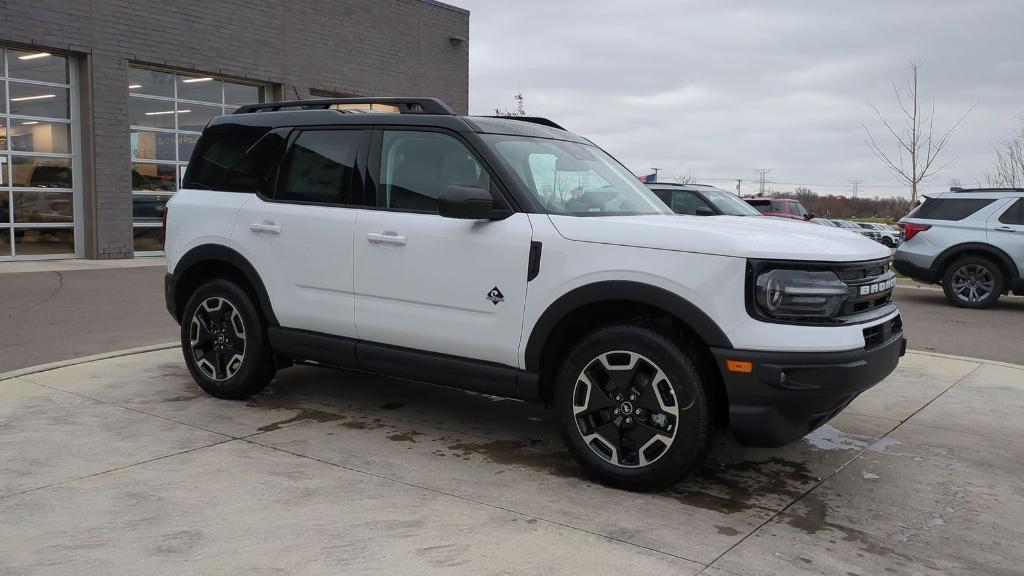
x,y
39,172
241,94
195,117
39,241
37,65
40,136
151,82
44,207
151,113
154,177
36,100
202,88
153,145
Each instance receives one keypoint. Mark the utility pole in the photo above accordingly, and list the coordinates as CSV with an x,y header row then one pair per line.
x,y
855,185
762,174
739,185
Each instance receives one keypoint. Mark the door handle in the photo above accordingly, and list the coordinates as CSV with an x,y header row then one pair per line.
x,y
386,238
1004,229
268,227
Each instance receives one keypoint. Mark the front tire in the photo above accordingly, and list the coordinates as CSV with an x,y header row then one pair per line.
x,y
633,408
224,342
973,282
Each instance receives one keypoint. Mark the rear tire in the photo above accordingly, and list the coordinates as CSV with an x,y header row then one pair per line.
x,y
973,282
223,339
632,407
888,242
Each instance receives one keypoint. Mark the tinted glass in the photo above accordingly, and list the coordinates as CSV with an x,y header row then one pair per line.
x,y
40,136
38,66
321,167
949,208
686,202
417,166
36,172
222,164
153,177
762,206
151,82
1014,214
36,100
48,207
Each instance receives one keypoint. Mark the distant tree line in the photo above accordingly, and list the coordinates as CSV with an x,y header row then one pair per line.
x,y
845,207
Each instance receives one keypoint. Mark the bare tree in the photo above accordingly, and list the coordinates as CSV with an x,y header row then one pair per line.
x,y
917,144
684,178
520,109
1009,161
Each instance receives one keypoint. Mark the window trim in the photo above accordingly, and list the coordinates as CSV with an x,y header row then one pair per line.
x,y
358,171
501,199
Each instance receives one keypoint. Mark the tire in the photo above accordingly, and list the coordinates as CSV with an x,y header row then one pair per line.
x,y
888,242
643,369
973,282
223,339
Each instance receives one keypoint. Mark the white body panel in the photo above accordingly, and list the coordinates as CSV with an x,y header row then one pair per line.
x,y
421,281
200,217
303,254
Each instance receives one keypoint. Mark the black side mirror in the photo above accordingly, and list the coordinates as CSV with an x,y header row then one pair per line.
x,y
809,215
704,211
469,203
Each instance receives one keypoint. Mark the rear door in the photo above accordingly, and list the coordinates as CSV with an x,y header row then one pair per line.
x,y
1006,231
429,283
299,238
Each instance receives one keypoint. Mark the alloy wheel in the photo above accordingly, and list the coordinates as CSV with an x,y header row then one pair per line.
x,y
626,409
973,283
217,338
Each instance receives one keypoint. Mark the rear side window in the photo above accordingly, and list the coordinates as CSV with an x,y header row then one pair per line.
x,y
1014,214
763,206
321,168
949,208
220,163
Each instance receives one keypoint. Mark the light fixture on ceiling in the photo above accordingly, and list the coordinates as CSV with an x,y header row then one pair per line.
x,y
163,112
134,86
38,97
191,80
29,123
34,56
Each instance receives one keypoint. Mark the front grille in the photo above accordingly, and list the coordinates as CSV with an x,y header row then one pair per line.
x,y
882,333
862,272
869,286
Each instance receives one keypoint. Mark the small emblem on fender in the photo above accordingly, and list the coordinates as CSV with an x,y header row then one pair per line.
x,y
495,296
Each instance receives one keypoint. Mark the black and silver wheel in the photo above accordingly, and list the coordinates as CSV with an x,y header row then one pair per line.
x,y
973,282
222,338
888,242
633,408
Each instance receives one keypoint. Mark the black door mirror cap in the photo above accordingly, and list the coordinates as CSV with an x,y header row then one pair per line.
x,y
469,203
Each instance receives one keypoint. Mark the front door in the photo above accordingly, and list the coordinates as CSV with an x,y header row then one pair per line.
x,y
437,284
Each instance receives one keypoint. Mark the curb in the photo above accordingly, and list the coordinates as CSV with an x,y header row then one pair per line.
x,y
968,359
169,345
86,359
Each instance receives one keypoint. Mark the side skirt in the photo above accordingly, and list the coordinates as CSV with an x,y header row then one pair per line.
x,y
429,367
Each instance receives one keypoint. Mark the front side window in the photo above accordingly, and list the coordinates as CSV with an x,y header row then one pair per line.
x,y
416,167
684,202
729,204
321,168
573,178
797,208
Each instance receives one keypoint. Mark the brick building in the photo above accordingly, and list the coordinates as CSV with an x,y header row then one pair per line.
x,y
101,101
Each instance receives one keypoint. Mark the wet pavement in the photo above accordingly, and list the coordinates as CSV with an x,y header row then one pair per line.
x,y
125,465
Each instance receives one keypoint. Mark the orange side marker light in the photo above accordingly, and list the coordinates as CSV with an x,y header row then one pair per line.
x,y
739,366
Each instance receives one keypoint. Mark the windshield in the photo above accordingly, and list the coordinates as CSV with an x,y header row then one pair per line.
x,y
728,203
572,178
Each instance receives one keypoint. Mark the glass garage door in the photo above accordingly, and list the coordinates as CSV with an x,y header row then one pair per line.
x,y
168,111
40,197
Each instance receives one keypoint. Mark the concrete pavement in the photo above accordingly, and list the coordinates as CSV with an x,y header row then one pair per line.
x,y
123,465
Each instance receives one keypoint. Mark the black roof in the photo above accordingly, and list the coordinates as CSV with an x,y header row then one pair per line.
x,y
426,112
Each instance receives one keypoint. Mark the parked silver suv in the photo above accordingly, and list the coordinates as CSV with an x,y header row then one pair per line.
x,y
971,241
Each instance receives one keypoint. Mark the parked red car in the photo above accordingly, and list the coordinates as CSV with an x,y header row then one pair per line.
x,y
782,207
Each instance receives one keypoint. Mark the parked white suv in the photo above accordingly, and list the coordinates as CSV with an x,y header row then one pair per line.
x,y
511,257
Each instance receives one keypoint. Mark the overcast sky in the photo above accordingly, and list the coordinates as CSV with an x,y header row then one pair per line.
x,y
719,88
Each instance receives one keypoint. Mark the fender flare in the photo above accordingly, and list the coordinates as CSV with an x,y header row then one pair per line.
x,y
949,254
639,292
220,253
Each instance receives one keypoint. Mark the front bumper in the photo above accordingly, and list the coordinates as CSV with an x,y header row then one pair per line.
x,y
786,395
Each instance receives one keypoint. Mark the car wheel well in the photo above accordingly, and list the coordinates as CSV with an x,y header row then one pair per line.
x,y
201,272
971,252
589,317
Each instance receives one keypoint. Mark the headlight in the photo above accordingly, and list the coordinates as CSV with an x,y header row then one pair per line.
x,y
782,293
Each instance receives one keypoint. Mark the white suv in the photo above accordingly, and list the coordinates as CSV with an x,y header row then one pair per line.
x,y
511,257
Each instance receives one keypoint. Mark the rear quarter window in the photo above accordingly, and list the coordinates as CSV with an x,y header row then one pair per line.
x,y
223,162
949,209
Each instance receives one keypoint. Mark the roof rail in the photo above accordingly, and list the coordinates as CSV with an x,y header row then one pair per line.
x,y
531,120
404,105
1008,190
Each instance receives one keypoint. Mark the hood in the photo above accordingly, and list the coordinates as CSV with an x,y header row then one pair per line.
x,y
738,236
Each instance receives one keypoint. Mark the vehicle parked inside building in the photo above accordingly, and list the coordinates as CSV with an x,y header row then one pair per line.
x,y
701,200
887,235
971,241
781,207
511,257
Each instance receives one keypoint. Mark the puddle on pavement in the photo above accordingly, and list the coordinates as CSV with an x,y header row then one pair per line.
x,y
831,438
